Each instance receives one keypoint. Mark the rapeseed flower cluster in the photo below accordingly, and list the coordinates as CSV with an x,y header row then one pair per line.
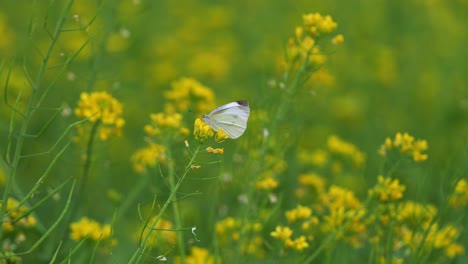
x,y
215,150
189,94
407,145
198,255
342,212
15,216
414,226
148,156
202,131
310,186
228,229
459,197
164,127
284,234
163,122
417,226
341,147
305,44
86,227
103,110
337,152
387,190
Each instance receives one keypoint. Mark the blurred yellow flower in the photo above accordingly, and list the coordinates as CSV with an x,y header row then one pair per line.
x,y
198,255
338,39
215,151
89,228
407,145
266,184
343,210
282,233
102,108
459,197
339,146
416,214
313,180
187,91
303,46
297,244
148,157
317,157
221,135
14,211
299,213
118,41
165,121
387,189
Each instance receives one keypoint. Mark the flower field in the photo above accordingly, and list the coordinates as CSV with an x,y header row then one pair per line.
x,y
341,134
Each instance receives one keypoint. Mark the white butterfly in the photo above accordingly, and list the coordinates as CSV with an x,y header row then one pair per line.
x,y
232,118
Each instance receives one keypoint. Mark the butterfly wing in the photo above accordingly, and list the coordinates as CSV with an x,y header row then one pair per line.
x,y
232,118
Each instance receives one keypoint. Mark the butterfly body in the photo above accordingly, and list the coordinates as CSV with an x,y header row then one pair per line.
x,y
231,117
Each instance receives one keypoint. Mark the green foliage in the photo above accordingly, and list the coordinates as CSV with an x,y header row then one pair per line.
x,y
356,147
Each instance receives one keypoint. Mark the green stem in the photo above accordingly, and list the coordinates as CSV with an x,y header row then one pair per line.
x,y
84,178
11,174
87,164
175,205
169,200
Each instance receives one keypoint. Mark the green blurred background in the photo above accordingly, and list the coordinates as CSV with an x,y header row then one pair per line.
x,y
401,68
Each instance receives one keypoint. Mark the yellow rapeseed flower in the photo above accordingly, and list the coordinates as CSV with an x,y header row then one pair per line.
x,y
338,39
11,222
339,146
298,213
89,228
103,108
198,255
416,214
266,184
317,157
297,244
187,91
313,180
165,122
202,131
148,157
304,43
343,207
459,197
221,135
215,150
282,233
387,189
407,145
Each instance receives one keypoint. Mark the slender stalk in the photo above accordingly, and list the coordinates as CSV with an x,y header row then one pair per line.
x,y
175,205
139,251
30,109
84,177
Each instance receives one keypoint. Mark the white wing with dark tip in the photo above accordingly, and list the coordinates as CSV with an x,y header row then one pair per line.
x,y
232,118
